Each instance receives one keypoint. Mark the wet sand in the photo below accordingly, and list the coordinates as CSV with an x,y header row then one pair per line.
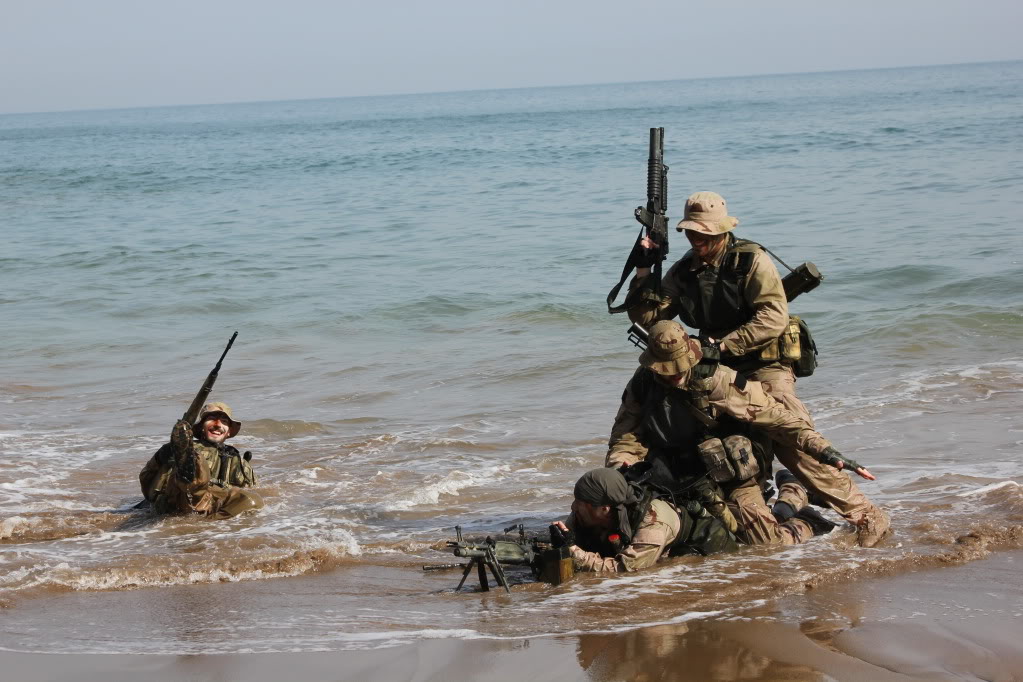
x,y
961,622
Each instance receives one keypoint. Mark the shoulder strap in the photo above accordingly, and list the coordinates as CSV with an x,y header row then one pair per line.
x,y
652,283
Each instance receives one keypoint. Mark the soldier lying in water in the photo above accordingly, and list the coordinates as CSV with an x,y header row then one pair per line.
x,y
617,525
197,472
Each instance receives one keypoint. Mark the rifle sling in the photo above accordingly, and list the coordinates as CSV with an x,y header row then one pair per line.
x,y
631,299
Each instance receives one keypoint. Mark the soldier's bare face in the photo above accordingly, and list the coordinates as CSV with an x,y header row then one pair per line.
x,y
215,428
706,247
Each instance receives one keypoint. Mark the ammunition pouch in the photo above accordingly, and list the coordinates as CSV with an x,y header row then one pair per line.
x,y
730,460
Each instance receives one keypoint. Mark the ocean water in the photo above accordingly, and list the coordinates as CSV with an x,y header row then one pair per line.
x,y
418,283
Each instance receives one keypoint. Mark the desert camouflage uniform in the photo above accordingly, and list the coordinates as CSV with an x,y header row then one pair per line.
x,y
747,402
188,475
658,530
765,296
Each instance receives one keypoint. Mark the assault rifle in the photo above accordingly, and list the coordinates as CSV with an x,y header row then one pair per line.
x,y
192,413
655,226
548,561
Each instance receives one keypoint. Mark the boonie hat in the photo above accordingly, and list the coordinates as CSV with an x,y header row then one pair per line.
x,y
220,408
706,213
670,351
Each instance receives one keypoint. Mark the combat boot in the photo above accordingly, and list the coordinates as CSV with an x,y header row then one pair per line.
x,y
872,527
813,518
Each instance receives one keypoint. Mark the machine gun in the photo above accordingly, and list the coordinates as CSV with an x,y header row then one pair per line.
x,y
655,226
549,562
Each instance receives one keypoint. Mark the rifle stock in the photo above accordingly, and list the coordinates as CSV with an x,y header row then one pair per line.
x,y
192,413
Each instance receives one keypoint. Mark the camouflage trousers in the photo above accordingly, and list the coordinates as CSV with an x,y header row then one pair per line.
x,y
757,525
835,487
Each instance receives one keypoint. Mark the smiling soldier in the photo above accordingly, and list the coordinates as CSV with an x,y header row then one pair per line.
x,y
197,472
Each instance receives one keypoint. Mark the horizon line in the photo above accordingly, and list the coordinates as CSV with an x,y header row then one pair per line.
x,y
519,87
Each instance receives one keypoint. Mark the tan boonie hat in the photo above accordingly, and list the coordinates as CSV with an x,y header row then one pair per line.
x,y
706,213
670,351
223,409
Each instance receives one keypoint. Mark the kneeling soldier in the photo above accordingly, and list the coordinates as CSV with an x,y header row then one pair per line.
x,y
197,472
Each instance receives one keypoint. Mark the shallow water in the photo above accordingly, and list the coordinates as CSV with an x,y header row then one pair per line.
x,y
418,284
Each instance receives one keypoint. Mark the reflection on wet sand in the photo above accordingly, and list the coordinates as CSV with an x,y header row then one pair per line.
x,y
686,651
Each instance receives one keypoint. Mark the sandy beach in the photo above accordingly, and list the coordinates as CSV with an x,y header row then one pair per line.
x,y
925,625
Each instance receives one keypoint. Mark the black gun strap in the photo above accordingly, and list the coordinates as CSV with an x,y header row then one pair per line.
x,y
787,266
632,298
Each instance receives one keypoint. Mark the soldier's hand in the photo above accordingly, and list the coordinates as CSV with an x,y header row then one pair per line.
x,y
181,435
561,536
711,348
647,253
834,458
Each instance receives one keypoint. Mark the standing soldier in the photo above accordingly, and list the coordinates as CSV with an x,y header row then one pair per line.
x,y
197,472
729,290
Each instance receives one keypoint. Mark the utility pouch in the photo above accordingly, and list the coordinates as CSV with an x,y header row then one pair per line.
x,y
715,460
770,352
739,451
789,346
807,362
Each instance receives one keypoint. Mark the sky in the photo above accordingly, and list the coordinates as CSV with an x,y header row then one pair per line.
x,y
86,54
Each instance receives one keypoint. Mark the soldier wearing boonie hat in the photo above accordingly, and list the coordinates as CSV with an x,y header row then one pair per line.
x,y
674,407
198,472
730,291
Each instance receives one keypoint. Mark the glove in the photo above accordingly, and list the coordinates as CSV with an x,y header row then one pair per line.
x,y
645,258
711,351
560,538
833,457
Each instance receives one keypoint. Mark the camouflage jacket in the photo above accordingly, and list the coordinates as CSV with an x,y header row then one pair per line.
x,y
658,530
186,474
729,394
762,293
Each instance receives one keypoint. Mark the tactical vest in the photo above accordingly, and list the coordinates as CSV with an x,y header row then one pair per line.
x,y
227,468
712,298
671,429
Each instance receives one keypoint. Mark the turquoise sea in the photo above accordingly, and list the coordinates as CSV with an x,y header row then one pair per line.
x,y
418,283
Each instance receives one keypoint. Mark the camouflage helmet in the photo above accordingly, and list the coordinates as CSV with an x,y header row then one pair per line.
x,y
219,408
670,351
707,213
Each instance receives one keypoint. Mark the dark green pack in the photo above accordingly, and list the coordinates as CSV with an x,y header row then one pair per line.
x,y
807,361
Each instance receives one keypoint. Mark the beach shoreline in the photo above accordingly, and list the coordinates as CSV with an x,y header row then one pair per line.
x,y
916,625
